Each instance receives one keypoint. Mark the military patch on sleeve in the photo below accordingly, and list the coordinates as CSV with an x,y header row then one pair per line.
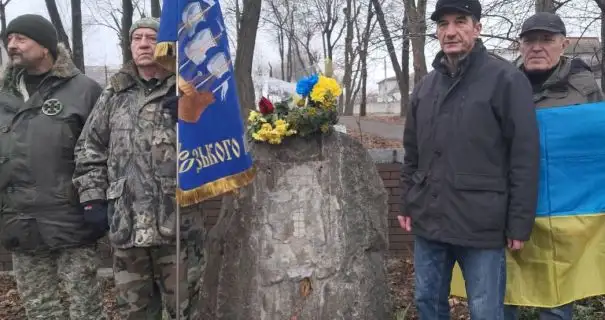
x,y
52,107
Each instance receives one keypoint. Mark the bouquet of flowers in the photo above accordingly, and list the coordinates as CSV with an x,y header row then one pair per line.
x,y
313,111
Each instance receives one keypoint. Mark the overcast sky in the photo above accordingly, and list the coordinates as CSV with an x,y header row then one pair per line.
x,y
101,43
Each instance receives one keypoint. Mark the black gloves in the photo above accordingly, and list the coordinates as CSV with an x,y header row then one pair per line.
x,y
95,216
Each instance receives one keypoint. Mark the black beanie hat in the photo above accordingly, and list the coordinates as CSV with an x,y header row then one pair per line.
x,y
37,28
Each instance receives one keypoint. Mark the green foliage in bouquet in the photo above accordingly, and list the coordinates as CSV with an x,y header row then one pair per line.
x,y
313,112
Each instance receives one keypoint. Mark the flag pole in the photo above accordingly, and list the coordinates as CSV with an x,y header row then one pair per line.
x,y
178,206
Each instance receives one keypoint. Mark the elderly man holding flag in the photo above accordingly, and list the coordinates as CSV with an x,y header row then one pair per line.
x,y
150,176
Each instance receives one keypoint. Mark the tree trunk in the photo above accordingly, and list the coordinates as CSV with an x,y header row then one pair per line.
x,y
405,65
127,12
55,18
347,80
545,6
303,65
602,49
390,47
238,17
156,10
76,34
282,52
363,56
3,5
243,56
417,31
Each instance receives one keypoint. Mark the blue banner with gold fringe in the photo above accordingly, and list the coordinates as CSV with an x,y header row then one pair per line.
x,y
213,156
563,260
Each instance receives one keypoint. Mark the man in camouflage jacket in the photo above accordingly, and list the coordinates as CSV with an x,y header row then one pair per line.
x,y
126,162
44,102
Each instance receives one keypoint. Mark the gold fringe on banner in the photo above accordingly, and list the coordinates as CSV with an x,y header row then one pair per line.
x,y
215,188
165,55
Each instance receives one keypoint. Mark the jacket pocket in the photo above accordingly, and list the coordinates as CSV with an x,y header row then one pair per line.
x,y
167,208
413,200
482,200
118,213
20,232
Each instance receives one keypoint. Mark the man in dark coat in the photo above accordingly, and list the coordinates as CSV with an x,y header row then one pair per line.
x,y
44,103
470,173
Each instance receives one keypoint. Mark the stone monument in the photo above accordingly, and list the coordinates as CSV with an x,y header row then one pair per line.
x,y
306,240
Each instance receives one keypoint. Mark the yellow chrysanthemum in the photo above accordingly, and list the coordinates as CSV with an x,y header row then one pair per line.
x,y
275,133
311,111
325,127
257,137
253,116
325,89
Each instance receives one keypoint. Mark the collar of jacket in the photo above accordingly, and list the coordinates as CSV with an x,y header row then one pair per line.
x,y
128,77
63,68
569,72
440,65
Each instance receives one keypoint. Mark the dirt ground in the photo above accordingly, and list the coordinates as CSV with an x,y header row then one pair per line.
x,y
386,119
372,141
400,280
401,288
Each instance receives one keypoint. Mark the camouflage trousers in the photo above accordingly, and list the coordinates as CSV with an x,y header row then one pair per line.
x,y
146,280
42,277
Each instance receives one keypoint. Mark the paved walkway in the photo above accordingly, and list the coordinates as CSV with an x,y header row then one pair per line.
x,y
381,129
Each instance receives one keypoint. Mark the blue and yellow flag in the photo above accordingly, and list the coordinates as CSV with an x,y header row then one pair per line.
x,y
564,260
213,156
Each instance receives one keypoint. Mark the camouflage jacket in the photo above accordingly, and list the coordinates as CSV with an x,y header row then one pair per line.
x,y
127,156
38,133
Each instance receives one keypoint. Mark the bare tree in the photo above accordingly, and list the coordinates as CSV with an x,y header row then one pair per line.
x,y
416,14
76,34
601,4
127,13
117,18
327,13
391,48
351,14
405,64
3,4
550,5
363,58
55,18
243,57
156,9
279,11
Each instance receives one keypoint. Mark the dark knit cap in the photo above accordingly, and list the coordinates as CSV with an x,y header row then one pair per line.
x,y
37,28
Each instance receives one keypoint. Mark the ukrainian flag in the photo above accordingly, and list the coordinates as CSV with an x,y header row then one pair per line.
x,y
213,155
564,260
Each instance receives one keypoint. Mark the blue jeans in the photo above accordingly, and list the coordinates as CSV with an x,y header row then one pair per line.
x,y
484,271
564,312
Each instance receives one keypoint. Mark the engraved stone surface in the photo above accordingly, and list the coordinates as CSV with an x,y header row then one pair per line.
x,y
307,238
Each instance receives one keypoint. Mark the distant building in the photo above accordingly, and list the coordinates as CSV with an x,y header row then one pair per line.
x,y
388,89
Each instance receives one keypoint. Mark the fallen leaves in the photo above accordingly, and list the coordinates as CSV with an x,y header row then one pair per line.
x,y
370,141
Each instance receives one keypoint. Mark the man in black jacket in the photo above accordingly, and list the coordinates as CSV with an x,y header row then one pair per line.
x,y
470,173
44,103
